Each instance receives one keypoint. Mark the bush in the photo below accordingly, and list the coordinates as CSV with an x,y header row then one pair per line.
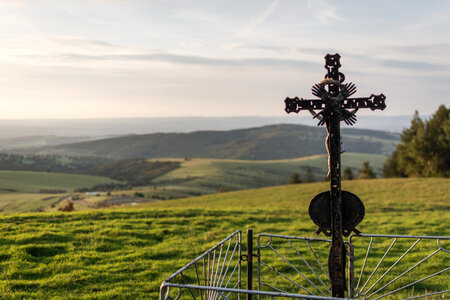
x,y
67,207
295,178
367,171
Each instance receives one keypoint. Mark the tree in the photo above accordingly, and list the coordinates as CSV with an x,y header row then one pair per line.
x,y
366,171
348,174
295,178
309,176
424,150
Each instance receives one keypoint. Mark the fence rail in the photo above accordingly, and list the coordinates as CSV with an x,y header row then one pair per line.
x,y
381,274
380,267
220,268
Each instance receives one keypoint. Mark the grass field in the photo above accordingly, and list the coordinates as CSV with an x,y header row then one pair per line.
x,y
206,176
194,177
126,253
19,190
32,182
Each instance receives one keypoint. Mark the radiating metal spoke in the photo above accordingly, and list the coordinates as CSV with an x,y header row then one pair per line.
x,y
231,275
427,295
299,254
365,261
379,263
233,288
318,261
228,265
292,266
216,272
287,278
406,272
186,282
236,267
274,288
393,265
198,278
413,283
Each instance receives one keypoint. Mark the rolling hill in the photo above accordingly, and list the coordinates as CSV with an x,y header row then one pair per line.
x,y
127,253
164,179
208,176
32,182
262,143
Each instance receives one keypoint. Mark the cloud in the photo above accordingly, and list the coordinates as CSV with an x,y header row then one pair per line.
x,y
79,42
259,19
413,65
423,49
275,49
325,12
176,58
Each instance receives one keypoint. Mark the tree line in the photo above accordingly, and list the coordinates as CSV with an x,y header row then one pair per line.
x,y
424,150
366,172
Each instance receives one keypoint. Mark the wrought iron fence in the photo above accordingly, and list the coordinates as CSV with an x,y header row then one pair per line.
x,y
292,264
398,267
380,266
213,275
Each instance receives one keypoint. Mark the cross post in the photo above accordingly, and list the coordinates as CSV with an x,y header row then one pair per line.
x,y
333,104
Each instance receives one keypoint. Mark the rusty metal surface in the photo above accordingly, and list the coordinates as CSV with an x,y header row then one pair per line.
x,y
353,212
333,106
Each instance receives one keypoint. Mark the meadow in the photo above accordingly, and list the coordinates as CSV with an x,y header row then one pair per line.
x,y
19,190
32,182
125,253
199,176
22,191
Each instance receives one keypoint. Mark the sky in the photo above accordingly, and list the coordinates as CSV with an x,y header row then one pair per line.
x,y
135,58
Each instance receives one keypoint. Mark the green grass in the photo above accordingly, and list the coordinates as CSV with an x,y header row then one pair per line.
x,y
205,176
126,253
32,182
17,202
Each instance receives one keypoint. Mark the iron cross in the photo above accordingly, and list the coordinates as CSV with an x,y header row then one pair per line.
x,y
343,210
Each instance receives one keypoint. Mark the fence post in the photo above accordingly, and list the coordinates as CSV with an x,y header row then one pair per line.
x,y
249,262
351,270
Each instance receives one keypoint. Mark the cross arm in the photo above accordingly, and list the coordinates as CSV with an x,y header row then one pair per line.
x,y
373,102
297,104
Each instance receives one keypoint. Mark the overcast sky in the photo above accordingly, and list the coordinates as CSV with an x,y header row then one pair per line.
x,y
106,58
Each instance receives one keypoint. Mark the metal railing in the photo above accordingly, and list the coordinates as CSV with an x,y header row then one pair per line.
x,y
380,266
301,264
380,273
218,275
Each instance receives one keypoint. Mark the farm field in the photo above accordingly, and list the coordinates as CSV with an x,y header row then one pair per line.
x,y
19,190
194,177
206,176
32,182
126,253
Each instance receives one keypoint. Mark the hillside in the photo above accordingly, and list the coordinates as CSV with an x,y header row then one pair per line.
x,y
209,176
161,179
32,182
261,143
127,253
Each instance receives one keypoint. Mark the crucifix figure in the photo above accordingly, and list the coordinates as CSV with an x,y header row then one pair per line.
x,y
336,212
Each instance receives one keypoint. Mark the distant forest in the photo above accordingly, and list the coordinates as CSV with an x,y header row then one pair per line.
x,y
281,141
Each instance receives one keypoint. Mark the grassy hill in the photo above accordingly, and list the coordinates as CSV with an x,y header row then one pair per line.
x,y
32,182
206,176
126,253
163,179
262,143
30,191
